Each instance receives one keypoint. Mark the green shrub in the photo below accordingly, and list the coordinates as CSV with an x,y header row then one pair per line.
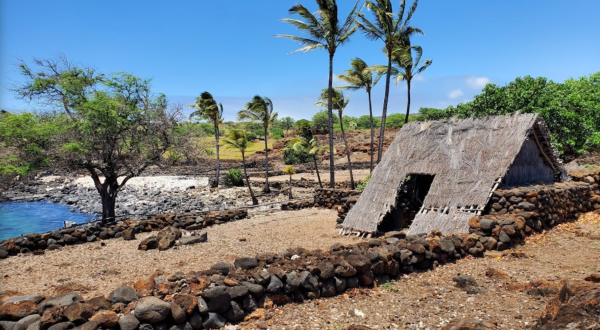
x,y
291,156
277,133
251,136
234,178
361,186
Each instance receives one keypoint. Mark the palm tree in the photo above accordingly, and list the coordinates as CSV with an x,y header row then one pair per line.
x,y
237,139
323,30
289,170
260,109
408,68
311,147
339,103
208,109
359,77
392,29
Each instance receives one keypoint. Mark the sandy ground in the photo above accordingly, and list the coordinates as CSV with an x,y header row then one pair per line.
x,y
93,270
163,182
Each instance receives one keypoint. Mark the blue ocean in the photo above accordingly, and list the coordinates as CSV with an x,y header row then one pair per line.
x,y
35,217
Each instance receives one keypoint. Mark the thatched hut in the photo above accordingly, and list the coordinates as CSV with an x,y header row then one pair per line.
x,y
442,173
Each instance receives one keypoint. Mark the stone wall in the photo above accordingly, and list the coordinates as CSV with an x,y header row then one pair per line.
x,y
37,243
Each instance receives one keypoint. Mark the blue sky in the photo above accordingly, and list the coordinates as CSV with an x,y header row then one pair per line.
x,y
227,48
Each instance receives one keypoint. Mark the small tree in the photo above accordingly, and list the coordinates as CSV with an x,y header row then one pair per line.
x,y
237,139
207,108
116,127
287,123
260,110
289,170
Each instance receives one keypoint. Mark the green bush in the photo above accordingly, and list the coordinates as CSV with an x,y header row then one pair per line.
x,y
277,133
291,156
234,178
250,136
361,186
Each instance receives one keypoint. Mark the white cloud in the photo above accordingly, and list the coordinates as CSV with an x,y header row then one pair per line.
x,y
456,93
477,82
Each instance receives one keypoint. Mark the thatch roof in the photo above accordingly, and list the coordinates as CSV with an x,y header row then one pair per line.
x,y
468,157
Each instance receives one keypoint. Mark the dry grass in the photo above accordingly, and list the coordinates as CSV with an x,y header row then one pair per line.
x,y
229,153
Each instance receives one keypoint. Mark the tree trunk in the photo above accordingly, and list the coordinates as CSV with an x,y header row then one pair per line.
x,y
407,101
290,192
385,104
108,194
347,152
218,160
317,169
330,113
254,200
266,189
372,129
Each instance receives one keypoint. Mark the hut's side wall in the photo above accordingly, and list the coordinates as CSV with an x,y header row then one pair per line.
x,y
528,167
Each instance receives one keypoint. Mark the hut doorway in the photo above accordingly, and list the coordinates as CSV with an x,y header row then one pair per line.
x,y
409,201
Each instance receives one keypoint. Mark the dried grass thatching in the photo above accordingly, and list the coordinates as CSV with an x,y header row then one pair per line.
x,y
468,157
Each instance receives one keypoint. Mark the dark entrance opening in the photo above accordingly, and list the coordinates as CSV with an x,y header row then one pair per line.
x,y
409,201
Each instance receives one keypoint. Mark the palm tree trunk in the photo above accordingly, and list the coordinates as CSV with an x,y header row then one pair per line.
x,y
330,113
218,160
254,200
372,129
290,192
266,188
385,103
317,169
407,101
347,152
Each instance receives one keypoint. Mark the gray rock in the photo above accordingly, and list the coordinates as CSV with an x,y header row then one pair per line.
x,y
3,254
23,298
237,291
255,290
129,322
340,284
223,267
124,294
202,305
447,245
328,289
182,326
327,270
352,282
245,263
309,282
7,325
152,310
235,313
34,326
218,299
274,285
64,326
249,304
146,326
214,321
487,224
526,206
149,243
392,240
63,300
195,321
25,322
292,283
193,239
503,237
177,313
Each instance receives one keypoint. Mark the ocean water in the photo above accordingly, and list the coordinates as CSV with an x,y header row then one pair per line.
x,y
35,217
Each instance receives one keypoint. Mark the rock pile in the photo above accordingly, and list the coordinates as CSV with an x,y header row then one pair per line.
x,y
53,240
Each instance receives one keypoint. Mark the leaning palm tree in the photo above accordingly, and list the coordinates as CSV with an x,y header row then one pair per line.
x,y
408,68
359,77
339,103
392,29
237,139
208,109
323,30
311,147
260,110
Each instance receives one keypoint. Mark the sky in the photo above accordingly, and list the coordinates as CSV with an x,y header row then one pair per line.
x,y
227,48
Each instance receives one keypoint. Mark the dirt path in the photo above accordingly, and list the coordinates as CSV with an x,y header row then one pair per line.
x,y
339,176
93,269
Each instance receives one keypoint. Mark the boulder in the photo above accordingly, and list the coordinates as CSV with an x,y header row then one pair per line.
x,y
186,301
213,321
18,309
105,319
222,267
246,263
235,313
218,299
167,237
149,243
124,294
129,322
25,322
193,239
177,313
152,310
128,234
